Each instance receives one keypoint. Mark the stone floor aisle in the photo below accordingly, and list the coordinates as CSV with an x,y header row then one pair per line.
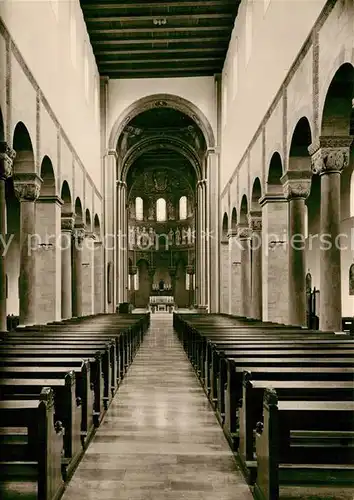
x,y
160,439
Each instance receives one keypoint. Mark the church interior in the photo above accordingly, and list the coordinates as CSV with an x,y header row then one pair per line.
x,y
177,249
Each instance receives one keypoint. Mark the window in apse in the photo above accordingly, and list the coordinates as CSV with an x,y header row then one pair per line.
x,y
161,210
139,208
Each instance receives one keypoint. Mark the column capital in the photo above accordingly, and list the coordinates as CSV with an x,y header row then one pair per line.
x,y
67,222
27,186
7,156
272,198
243,232
296,184
122,184
330,154
79,232
201,183
255,220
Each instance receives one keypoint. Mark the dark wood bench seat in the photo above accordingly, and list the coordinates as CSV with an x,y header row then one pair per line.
x,y
251,408
283,461
38,466
100,370
67,409
84,389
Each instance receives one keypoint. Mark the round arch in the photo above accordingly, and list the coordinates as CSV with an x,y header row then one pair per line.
x,y
78,212
88,220
256,194
22,144
157,101
337,101
48,187
65,195
234,219
151,144
225,226
244,210
275,170
97,226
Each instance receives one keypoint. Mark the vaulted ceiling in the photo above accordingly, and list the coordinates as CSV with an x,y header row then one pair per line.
x,y
150,38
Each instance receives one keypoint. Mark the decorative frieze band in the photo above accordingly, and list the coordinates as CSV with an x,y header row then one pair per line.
x,y
330,154
255,220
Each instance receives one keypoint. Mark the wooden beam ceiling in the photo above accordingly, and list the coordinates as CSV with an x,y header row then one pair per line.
x,y
159,39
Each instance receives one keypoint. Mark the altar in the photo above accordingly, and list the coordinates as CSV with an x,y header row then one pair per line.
x,y
161,303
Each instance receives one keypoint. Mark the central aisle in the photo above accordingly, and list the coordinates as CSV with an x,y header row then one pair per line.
x,y
160,439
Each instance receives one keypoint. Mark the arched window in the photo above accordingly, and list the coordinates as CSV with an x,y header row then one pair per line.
x,y
139,208
161,210
183,207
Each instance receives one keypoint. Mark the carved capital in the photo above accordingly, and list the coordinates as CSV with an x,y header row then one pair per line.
x,y
27,186
7,156
297,189
79,233
67,222
255,221
330,154
243,232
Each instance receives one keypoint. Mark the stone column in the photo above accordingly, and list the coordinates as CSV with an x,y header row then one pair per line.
x,y
88,274
48,259
329,156
98,277
244,235
275,274
235,273
124,229
67,227
197,245
27,189
255,224
225,275
132,272
78,238
7,156
190,272
122,251
202,245
110,225
297,187
213,205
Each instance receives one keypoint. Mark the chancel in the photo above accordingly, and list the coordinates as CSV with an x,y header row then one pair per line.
x,y
177,261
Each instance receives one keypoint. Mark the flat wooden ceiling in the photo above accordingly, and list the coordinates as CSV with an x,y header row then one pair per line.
x,y
154,39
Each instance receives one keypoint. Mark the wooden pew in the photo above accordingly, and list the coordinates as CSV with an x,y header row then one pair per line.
x,y
233,389
67,409
39,461
84,392
251,407
100,372
282,462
